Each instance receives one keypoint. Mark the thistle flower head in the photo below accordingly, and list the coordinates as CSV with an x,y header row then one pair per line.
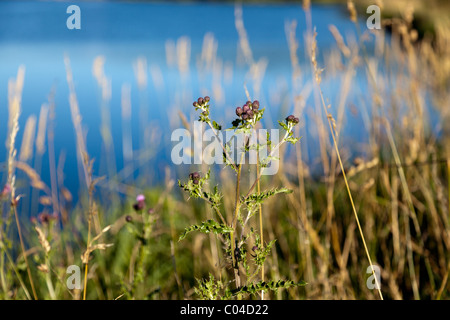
x,y
292,119
45,218
194,176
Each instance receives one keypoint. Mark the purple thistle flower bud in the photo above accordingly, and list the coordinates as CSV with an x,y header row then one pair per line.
x,y
255,104
290,118
296,120
128,219
249,103
239,111
195,104
200,101
206,98
44,217
250,114
194,176
246,108
195,181
245,116
138,206
140,198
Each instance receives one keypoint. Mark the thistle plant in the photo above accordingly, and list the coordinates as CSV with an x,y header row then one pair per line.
x,y
141,226
244,249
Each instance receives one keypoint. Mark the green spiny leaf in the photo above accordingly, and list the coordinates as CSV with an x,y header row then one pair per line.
x,y
206,227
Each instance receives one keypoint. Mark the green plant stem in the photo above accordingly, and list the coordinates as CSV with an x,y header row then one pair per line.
x,y
2,265
448,179
87,262
18,276
258,188
51,290
235,167
19,230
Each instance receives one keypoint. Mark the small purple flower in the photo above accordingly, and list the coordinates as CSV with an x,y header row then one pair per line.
x,y
45,218
206,98
6,190
140,203
194,176
292,119
255,104
128,219
239,111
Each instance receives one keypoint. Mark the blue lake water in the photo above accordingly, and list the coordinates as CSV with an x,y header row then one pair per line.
x,y
34,34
